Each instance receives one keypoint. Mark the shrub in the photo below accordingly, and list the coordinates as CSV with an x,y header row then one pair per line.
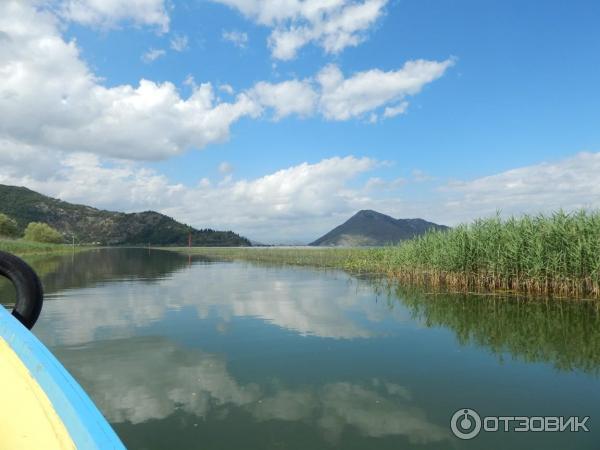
x,y
42,232
8,227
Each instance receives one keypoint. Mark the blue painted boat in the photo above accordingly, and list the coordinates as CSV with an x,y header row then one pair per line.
x,y
43,407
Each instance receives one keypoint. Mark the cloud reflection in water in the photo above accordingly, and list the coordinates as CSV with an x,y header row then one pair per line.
x,y
150,378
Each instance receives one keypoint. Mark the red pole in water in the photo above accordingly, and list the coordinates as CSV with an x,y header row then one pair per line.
x,y
189,246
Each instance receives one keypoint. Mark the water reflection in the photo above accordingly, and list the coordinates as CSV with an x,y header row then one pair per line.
x,y
162,377
152,283
87,268
293,299
565,333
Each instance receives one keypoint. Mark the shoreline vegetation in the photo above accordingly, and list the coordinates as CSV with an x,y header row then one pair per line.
x,y
555,255
21,248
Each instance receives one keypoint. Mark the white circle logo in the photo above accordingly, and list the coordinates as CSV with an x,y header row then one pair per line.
x,y
465,423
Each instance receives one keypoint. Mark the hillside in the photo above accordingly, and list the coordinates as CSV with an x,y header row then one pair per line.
x,y
372,228
91,225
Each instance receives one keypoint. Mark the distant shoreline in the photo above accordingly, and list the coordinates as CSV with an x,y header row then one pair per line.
x,y
549,256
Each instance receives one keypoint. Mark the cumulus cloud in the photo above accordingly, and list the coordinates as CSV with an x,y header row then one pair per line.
x,y
85,178
50,99
284,206
570,183
332,24
294,203
237,38
299,203
343,98
110,13
287,97
337,97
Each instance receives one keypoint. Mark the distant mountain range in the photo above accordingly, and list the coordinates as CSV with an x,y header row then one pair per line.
x,y
91,225
372,228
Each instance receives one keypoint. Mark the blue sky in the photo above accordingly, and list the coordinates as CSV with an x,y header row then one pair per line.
x,y
502,115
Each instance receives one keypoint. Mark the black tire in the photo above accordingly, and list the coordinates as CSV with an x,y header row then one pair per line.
x,y
30,294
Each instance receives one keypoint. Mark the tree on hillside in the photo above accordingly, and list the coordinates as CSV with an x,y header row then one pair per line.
x,y
8,227
42,232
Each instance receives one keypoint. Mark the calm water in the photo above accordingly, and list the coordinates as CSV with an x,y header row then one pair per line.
x,y
181,353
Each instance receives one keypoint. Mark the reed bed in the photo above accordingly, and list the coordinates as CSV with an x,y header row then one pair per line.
x,y
550,255
556,255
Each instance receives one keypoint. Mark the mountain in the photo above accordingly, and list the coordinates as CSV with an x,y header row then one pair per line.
x,y
91,225
372,228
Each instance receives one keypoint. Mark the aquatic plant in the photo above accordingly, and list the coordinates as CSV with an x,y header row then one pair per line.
x,y
551,255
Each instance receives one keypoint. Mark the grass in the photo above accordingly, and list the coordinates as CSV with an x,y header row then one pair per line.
x,y
21,247
550,255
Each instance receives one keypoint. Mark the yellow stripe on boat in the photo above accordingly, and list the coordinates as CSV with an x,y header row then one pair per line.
x,y
27,418
41,405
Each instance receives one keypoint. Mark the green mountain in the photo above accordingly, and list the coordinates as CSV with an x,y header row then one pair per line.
x,y
372,228
91,225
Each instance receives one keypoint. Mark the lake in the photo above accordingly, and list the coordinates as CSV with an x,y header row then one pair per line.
x,y
182,352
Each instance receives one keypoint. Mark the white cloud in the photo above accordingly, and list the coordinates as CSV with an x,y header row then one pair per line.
x,y
179,42
570,183
84,178
152,55
285,98
110,13
343,98
227,88
50,99
298,202
61,126
284,205
302,202
393,111
237,38
331,24
359,95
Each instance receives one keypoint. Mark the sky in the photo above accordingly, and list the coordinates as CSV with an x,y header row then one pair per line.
x,y
279,119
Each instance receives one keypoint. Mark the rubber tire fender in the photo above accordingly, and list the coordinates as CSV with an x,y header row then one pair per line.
x,y
28,287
